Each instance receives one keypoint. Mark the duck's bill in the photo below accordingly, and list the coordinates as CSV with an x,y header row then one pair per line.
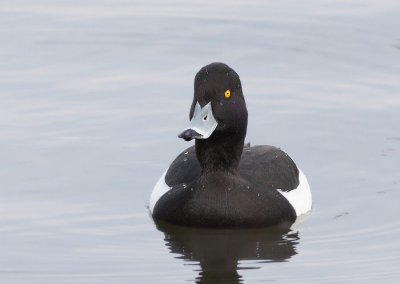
x,y
202,124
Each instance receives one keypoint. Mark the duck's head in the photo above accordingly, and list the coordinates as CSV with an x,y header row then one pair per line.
x,y
218,107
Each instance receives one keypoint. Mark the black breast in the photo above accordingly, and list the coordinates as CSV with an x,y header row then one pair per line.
x,y
223,200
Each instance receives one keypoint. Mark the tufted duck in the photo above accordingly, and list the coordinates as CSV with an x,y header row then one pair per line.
x,y
220,182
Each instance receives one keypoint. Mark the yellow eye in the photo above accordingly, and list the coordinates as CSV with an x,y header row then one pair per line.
x,y
227,94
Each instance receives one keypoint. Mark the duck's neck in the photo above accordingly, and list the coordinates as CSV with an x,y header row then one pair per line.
x,y
219,153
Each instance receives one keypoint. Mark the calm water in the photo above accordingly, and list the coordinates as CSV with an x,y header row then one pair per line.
x,y
94,93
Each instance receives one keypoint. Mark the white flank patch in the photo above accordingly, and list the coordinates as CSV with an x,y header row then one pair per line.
x,y
300,197
159,190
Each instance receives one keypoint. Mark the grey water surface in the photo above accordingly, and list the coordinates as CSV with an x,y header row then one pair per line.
x,y
94,93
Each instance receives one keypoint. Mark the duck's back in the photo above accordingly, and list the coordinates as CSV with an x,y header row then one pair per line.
x,y
269,167
265,166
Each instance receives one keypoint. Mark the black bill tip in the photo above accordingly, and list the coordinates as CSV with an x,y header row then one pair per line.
x,y
189,134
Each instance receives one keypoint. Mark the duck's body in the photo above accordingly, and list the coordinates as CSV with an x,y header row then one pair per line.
x,y
219,182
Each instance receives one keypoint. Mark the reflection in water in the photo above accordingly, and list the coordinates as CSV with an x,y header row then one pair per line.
x,y
219,250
